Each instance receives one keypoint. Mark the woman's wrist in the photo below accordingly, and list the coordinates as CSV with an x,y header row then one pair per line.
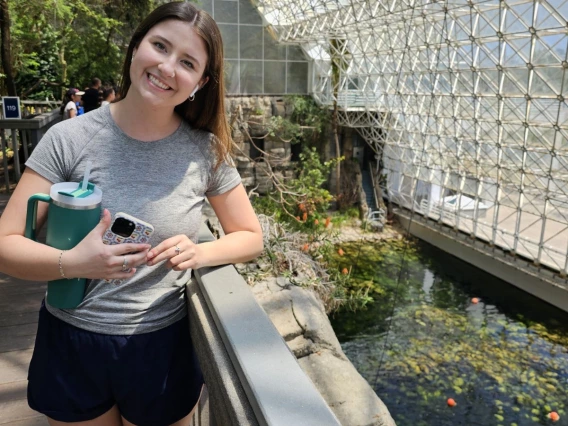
x,y
60,264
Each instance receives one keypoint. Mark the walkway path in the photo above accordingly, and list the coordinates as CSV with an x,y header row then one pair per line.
x,y
19,306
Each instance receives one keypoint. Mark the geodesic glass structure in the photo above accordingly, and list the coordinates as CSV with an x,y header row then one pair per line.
x,y
463,100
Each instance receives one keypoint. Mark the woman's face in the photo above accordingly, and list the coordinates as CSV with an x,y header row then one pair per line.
x,y
76,98
168,64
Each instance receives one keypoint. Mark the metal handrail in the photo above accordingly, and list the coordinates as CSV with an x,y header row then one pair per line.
x,y
25,133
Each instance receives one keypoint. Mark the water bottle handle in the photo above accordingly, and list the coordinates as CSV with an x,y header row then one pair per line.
x,y
31,216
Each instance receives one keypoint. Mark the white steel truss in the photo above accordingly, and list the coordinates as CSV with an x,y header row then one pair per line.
x,y
466,102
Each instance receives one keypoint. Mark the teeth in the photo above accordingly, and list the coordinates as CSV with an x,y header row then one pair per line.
x,y
157,82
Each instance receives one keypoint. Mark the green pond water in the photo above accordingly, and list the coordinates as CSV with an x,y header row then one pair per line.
x,y
503,360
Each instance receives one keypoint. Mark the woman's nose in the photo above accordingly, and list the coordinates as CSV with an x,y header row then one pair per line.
x,y
167,68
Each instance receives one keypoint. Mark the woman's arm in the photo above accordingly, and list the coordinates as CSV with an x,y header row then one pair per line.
x,y
29,260
243,236
72,113
242,240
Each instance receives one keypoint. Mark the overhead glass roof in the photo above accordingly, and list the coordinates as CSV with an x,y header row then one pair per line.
x,y
463,100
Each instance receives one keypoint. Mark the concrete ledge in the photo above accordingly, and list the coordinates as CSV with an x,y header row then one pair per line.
x,y
227,401
277,389
490,259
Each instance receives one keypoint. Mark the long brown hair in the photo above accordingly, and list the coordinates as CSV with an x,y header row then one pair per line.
x,y
207,111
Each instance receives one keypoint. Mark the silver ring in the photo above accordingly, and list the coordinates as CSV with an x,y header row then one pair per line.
x,y
178,250
125,264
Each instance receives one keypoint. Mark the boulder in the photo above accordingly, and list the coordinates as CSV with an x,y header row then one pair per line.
x,y
300,318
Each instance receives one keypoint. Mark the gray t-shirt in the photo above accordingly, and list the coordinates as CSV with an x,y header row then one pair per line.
x,y
164,182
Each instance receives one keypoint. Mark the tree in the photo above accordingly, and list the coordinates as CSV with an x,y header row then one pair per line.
x,y
63,43
5,51
339,64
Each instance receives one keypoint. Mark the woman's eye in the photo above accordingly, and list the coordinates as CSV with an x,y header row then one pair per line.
x,y
187,64
159,45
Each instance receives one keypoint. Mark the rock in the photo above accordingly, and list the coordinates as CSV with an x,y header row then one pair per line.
x,y
348,394
278,308
301,347
300,318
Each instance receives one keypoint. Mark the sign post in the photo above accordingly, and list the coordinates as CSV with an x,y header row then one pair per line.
x,y
11,111
11,107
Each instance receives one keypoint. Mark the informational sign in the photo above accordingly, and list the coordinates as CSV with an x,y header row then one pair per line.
x,y
11,107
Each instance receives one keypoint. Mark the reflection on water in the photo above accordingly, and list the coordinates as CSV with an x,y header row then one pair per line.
x,y
504,360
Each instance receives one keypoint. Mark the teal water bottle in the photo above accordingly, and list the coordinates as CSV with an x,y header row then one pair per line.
x,y
73,212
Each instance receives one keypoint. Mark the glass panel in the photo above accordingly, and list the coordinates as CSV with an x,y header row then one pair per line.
x,y
251,77
248,13
206,5
251,42
232,76
297,77
273,49
230,38
274,77
295,53
226,11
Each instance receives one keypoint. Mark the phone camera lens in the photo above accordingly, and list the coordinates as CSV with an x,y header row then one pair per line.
x,y
123,227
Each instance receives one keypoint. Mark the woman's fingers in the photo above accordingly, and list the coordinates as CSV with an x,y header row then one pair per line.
x,y
120,249
170,249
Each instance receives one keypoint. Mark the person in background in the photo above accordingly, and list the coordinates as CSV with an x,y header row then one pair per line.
x,y
125,356
70,102
91,96
108,95
116,93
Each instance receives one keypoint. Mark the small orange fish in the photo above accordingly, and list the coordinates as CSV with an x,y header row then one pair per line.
x,y
475,300
553,415
340,252
452,402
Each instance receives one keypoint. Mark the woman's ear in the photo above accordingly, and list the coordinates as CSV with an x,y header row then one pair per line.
x,y
203,82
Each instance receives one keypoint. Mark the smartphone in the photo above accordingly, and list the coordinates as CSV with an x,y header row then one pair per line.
x,y
127,229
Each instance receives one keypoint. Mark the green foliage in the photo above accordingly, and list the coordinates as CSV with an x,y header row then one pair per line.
x,y
64,43
306,123
304,201
306,112
41,65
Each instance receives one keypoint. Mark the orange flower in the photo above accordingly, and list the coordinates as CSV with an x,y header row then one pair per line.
x,y
327,221
451,402
553,416
344,271
475,300
340,252
316,222
302,207
305,247
305,217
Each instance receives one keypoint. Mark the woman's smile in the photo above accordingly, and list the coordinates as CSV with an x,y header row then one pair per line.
x,y
154,81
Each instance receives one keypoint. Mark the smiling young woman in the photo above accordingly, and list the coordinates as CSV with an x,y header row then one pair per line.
x,y
124,355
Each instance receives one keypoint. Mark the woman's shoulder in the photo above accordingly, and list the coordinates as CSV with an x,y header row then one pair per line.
x,y
81,125
70,105
200,138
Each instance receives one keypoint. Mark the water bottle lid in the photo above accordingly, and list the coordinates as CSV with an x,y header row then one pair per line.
x,y
70,193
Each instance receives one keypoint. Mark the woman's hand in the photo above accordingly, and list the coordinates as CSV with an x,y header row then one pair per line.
x,y
180,251
91,258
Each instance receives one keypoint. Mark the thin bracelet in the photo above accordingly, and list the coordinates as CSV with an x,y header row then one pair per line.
x,y
61,265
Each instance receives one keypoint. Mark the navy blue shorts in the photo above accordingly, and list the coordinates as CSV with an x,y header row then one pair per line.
x,y
76,375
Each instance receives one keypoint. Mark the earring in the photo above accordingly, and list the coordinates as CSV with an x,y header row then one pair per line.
x,y
192,96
